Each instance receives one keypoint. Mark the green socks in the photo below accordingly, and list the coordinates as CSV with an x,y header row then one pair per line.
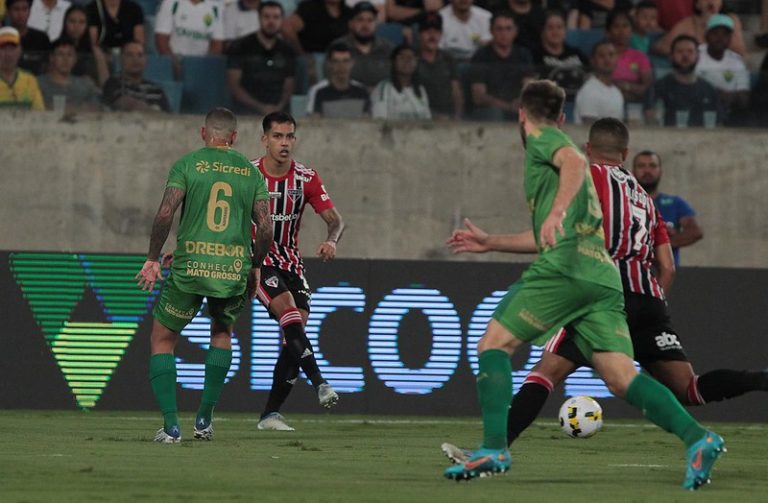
x,y
162,377
660,406
494,391
216,367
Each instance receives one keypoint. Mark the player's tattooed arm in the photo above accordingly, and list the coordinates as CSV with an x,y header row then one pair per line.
x,y
335,224
327,249
264,233
161,227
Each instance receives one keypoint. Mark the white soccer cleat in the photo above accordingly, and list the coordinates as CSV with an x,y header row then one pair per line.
x,y
457,455
274,421
203,430
172,437
326,396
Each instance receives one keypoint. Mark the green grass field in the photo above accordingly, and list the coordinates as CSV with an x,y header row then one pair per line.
x,y
97,456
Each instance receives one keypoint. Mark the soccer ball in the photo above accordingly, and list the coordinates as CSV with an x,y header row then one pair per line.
x,y
581,417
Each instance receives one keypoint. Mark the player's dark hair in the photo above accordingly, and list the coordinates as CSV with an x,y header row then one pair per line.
x,y
62,42
599,44
503,13
615,15
683,38
271,3
648,153
277,118
542,100
609,136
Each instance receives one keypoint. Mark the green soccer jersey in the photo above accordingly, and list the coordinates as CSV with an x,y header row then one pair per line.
x,y
581,252
213,250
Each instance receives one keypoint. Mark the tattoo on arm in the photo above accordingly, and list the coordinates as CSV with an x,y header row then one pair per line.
x,y
172,198
335,224
264,232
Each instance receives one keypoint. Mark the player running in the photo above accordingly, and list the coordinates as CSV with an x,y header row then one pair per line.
x,y
637,239
284,290
222,194
573,282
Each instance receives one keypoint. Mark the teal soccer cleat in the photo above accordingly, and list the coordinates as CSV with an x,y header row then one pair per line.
x,y
482,463
701,457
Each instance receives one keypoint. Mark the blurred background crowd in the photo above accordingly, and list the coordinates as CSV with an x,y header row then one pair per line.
x,y
677,63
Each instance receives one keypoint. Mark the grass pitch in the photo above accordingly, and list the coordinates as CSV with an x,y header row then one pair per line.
x,y
97,456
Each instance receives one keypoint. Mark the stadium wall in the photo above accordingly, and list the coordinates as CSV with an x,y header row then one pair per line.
x,y
94,182
394,337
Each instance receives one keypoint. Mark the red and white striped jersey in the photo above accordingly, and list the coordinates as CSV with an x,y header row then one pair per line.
x,y
289,194
633,227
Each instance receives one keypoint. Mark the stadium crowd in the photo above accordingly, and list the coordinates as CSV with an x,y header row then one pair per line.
x,y
672,62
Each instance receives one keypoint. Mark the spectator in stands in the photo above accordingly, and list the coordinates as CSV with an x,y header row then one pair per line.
x,y
599,97
261,67
555,60
35,44
672,12
240,18
189,28
465,29
338,96
646,25
18,88
725,70
401,97
379,5
593,14
761,39
679,216
90,58
48,16
695,26
369,51
113,23
129,90
685,97
633,74
498,71
529,18
81,93
438,72
409,12
314,26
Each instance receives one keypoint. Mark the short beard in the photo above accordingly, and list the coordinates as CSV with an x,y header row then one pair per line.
x,y
365,39
685,70
649,187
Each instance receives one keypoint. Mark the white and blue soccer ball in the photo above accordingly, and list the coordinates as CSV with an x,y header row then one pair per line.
x,y
581,417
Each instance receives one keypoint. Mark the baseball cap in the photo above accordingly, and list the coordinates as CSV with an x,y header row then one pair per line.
x,y
717,20
431,21
364,7
9,35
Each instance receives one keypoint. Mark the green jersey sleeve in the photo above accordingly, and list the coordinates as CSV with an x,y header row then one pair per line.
x,y
177,177
543,145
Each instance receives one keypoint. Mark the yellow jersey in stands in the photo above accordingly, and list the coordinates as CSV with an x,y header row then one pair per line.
x,y
22,92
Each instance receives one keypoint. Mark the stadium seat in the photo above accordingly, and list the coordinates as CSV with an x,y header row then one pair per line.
x,y
205,84
159,67
149,34
584,40
391,31
299,105
320,65
173,91
568,111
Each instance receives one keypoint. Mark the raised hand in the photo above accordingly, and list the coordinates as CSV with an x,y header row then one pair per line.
x,y
149,274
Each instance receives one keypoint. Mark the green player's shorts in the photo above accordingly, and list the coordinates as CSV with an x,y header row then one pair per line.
x,y
544,300
176,308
